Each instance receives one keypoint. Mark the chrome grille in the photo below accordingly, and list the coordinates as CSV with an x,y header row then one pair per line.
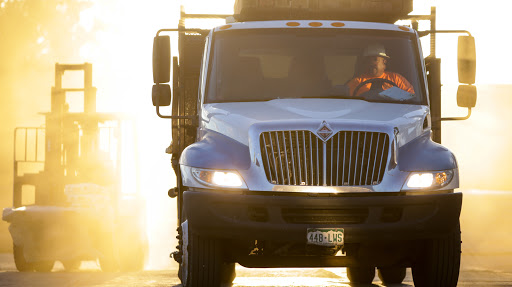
x,y
349,158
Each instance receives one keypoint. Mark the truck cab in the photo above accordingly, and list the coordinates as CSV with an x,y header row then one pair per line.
x,y
292,150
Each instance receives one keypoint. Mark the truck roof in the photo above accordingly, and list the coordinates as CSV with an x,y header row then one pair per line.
x,y
330,24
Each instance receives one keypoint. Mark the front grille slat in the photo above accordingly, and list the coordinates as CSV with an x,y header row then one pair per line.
x,y
299,165
293,167
362,160
369,157
375,159
274,167
279,155
381,159
305,158
348,158
317,162
338,162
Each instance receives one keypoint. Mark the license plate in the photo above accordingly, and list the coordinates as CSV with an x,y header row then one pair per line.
x,y
326,236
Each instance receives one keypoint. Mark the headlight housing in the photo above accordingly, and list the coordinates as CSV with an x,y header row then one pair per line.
x,y
219,178
428,180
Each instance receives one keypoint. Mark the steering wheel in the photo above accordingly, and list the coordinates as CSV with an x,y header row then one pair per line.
x,y
373,81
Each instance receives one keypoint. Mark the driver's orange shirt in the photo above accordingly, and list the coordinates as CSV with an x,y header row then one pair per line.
x,y
398,79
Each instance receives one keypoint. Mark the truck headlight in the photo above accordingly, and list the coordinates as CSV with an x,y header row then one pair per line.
x,y
219,178
428,180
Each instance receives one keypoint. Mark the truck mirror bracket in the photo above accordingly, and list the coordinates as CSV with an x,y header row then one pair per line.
x,y
458,118
195,119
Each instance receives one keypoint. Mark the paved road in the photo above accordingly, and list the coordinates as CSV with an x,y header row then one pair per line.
x,y
90,275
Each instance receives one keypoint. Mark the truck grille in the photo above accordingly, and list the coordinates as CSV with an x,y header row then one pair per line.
x,y
349,158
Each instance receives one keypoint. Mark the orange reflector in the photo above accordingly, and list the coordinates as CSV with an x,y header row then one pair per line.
x,y
293,24
337,24
404,28
225,27
315,24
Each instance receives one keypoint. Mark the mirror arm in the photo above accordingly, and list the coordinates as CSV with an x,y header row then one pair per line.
x,y
428,32
196,30
458,118
193,118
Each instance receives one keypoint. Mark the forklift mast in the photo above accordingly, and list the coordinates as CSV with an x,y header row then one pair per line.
x,y
62,135
67,148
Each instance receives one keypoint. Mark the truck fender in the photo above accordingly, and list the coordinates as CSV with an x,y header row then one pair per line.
x,y
216,151
422,154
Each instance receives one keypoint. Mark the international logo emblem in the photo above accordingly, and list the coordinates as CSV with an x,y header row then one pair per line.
x,y
324,131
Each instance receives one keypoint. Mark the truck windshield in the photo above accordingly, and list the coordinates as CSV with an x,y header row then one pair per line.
x,y
267,64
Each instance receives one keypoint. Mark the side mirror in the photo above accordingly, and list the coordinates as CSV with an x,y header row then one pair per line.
x,y
161,59
161,95
466,96
466,59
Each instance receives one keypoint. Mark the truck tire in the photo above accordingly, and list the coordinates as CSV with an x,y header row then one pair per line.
x,y
228,273
361,275
440,263
391,275
202,262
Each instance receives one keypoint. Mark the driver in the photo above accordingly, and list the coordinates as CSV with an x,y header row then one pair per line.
x,y
375,60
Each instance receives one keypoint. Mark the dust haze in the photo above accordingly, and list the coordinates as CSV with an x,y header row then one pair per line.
x,y
116,38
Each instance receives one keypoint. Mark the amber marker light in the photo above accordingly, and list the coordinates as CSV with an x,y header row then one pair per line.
x,y
403,28
441,178
315,24
293,24
225,27
337,24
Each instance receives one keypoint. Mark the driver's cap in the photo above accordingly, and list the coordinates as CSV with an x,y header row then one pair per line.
x,y
375,50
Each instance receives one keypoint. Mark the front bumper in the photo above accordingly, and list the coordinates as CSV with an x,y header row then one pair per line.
x,y
365,217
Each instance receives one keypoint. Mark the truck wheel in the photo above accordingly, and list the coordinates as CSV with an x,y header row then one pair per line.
x,y
202,261
19,260
440,263
361,275
228,273
391,275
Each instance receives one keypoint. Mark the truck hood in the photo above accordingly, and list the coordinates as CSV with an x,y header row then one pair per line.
x,y
236,119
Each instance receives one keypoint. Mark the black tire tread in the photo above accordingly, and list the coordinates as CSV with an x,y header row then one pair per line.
x,y
206,262
392,275
441,263
361,275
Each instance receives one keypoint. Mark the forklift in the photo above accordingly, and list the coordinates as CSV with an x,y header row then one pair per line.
x,y
76,195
